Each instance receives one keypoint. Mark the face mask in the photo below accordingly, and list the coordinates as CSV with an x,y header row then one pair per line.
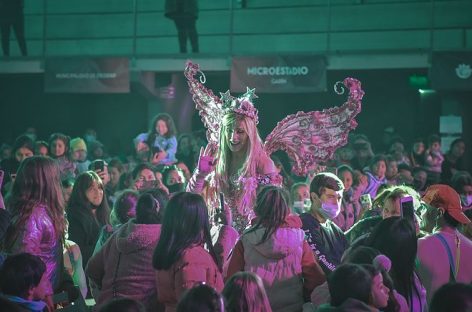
x,y
298,207
329,211
466,200
302,206
177,187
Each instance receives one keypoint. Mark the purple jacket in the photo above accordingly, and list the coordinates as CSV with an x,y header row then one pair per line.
x,y
38,237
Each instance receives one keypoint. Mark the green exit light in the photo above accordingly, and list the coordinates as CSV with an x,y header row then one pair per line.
x,y
419,82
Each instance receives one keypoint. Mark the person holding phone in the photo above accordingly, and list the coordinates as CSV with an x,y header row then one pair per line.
x,y
161,140
101,168
144,178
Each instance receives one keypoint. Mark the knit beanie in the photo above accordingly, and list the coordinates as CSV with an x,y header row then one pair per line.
x,y
78,144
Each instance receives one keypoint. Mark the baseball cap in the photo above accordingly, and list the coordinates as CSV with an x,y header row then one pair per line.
x,y
444,197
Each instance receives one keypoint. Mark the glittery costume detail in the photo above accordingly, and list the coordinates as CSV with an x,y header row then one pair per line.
x,y
313,137
307,138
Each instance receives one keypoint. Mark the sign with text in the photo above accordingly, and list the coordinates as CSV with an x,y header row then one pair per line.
x,y
279,74
451,71
87,75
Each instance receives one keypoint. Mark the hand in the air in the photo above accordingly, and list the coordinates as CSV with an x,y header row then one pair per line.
x,y
206,162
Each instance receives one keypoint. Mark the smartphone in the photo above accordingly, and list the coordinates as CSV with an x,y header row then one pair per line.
x,y
366,201
152,184
155,150
407,209
99,165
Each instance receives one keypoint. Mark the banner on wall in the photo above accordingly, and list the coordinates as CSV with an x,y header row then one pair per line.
x,y
279,74
451,71
87,75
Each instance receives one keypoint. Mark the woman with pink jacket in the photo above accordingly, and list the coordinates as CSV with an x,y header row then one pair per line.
x,y
275,249
123,266
180,257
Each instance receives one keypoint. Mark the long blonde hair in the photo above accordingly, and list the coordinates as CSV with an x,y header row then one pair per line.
x,y
37,183
253,151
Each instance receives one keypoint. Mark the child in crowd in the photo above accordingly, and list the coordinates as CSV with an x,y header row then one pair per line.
x,y
275,249
115,170
392,170
161,140
350,287
376,175
59,150
245,292
78,153
24,282
416,155
123,210
300,198
350,206
201,298
180,258
397,151
433,159
41,148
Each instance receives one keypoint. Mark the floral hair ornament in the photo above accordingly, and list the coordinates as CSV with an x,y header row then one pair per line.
x,y
242,105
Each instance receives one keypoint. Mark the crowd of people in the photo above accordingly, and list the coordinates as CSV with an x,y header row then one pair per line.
x,y
185,226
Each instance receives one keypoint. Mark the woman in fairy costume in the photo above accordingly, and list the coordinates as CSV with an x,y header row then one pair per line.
x,y
236,161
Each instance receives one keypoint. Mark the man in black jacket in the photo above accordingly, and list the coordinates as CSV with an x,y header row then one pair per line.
x,y
325,238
